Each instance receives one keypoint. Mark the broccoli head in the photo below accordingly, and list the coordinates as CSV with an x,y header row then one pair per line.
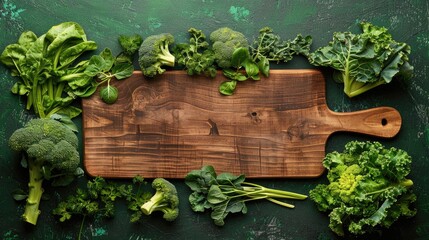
x,y
165,200
154,53
224,42
50,149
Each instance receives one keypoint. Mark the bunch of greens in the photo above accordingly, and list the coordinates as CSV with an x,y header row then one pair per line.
x,y
196,56
50,153
100,69
226,193
367,189
364,61
247,62
99,197
269,47
40,62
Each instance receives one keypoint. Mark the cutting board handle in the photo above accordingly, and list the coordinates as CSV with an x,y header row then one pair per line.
x,y
381,122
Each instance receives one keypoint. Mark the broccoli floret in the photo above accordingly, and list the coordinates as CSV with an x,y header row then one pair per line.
x,y
165,199
224,42
154,53
50,149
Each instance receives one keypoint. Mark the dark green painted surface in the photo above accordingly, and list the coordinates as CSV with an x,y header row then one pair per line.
x,y
104,20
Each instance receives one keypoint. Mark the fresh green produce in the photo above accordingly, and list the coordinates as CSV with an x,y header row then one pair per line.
x,y
224,42
196,56
99,198
50,152
154,53
247,62
39,62
100,69
130,45
164,200
269,47
368,188
226,193
240,59
364,61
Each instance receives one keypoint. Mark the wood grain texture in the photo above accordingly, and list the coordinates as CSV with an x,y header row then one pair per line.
x,y
170,125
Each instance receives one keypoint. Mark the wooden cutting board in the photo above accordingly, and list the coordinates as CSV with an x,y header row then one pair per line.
x,y
172,124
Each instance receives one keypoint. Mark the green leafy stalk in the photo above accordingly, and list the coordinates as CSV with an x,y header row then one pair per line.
x,y
226,193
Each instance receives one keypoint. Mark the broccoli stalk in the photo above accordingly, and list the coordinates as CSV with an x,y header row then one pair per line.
x,y
165,200
165,57
32,211
50,150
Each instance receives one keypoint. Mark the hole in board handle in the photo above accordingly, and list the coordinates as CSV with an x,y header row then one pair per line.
x,y
383,122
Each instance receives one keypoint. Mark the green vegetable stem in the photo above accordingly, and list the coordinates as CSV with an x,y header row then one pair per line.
x,y
226,193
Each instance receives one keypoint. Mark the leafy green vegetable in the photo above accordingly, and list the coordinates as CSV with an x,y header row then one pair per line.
x,y
246,62
39,62
130,44
50,152
226,193
154,53
269,47
196,56
100,69
99,198
367,189
109,94
364,61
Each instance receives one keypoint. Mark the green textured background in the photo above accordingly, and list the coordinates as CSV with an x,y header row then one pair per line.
x,y
104,20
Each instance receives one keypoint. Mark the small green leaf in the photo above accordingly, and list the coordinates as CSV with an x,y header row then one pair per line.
x,y
122,70
70,111
79,172
20,89
228,87
251,68
109,59
109,94
215,195
239,56
234,75
85,92
19,195
95,65
65,120
264,66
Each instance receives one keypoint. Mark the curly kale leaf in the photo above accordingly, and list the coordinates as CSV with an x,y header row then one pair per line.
x,y
368,188
364,61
